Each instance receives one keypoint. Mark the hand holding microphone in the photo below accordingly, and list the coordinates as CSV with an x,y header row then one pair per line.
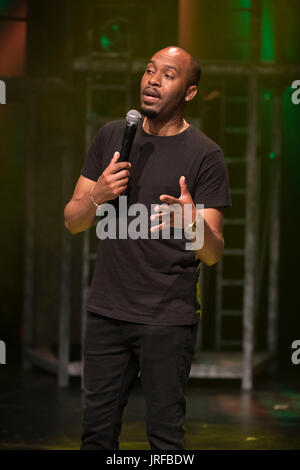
x,y
114,179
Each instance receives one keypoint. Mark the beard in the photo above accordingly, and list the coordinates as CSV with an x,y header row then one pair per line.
x,y
149,113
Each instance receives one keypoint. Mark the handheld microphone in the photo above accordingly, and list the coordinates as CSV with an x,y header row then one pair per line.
x,y
132,119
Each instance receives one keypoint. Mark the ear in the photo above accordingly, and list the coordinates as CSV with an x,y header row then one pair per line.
x,y
190,92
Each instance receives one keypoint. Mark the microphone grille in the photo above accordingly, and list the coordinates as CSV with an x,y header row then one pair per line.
x,y
133,117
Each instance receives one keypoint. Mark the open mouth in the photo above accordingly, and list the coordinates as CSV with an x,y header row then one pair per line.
x,y
151,95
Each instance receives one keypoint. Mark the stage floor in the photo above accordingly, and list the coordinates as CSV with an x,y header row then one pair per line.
x,y
36,414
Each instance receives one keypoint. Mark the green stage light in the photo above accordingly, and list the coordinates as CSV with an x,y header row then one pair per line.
x,y
105,42
272,155
114,36
267,95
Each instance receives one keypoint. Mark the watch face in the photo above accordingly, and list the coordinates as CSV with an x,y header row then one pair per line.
x,y
189,231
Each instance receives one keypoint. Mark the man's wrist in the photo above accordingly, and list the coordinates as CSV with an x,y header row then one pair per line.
x,y
95,201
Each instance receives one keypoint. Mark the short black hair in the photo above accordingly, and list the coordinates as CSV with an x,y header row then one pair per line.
x,y
194,73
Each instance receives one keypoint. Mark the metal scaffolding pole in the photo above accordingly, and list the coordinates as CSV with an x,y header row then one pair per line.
x,y
250,235
64,307
86,234
274,240
29,249
66,248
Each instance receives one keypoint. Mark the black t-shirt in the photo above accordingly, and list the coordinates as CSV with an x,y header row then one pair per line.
x,y
146,280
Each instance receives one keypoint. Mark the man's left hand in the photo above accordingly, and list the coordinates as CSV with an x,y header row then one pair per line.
x,y
175,212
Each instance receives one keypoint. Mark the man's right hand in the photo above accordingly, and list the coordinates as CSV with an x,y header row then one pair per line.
x,y
113,181
80,213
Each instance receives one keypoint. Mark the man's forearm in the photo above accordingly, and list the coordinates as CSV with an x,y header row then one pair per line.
x,y
79,214
212,248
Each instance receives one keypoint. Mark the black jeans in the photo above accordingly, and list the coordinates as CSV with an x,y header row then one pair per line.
x,y
114,352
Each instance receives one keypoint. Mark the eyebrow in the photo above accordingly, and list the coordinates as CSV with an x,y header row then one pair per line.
x,y
167,65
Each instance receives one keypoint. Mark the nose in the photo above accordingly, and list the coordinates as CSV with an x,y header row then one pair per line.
x,y
154,79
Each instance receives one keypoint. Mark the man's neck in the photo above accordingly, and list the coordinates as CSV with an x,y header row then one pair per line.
x,y
164,128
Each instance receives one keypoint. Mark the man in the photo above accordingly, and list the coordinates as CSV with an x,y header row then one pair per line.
x,y
141,311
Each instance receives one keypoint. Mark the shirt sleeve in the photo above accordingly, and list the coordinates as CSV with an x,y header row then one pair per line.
x,y
92,165
212,182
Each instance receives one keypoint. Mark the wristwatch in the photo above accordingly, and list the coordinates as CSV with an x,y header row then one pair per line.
x,y
190,230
